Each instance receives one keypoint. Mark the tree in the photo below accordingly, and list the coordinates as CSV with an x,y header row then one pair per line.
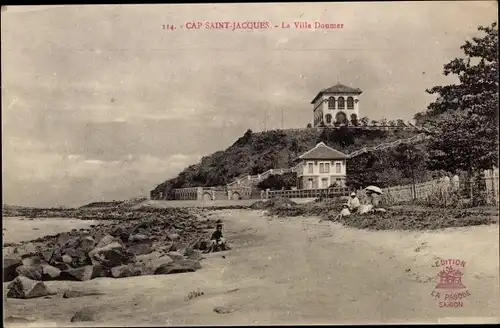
x,y
411,160
400,122
354,120
465,115
278,182
364,121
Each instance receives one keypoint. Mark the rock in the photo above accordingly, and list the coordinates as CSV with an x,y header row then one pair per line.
x,y
175,255
222,310
84,273
138,237
48,255
79,256
195,255
87,243
77,293
67,259
27,249
50,273
144,258
83,315
157,262
178,266
33,272
140,244
174,236
131,270
111,255
10,265
63,239
106,240
62,266
32,260
23,287
141,249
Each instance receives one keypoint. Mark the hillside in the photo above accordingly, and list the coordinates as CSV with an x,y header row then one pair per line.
x,y
255,153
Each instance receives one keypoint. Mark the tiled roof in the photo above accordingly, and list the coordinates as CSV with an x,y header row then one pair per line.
x,y
322,151
338,88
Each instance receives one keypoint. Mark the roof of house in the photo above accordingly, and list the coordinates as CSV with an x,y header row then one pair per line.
x,y
338,88
322,151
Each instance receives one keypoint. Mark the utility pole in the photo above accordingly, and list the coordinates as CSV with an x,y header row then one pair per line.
x,y
265,120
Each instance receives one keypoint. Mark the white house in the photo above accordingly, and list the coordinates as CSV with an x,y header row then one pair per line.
x,y
337,104
321,167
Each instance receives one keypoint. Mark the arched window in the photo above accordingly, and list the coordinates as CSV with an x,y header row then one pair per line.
x,y
341,118
331,103
341,103
328,118
350,103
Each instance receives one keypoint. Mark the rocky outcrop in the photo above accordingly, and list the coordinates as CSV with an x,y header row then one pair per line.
x,y
23,287
179,266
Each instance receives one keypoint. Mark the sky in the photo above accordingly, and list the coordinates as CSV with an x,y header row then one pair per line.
x,y
102,103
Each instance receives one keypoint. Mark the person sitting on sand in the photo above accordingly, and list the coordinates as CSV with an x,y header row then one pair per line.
x,y
354,203
344,212
216,240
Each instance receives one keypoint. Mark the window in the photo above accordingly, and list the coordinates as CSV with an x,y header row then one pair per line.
x,y
341,103
350,103
328,118
331,103
324,168
324,182
338,167
310,168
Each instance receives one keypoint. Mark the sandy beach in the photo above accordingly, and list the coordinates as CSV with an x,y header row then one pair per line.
x,y
295,271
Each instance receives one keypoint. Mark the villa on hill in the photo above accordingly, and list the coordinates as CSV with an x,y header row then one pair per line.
x,y
321,167
338,104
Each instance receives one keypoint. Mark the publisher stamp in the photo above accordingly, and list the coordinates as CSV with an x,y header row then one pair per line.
x,y
450,291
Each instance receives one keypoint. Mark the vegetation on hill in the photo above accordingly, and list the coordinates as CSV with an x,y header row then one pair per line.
x,y
254,153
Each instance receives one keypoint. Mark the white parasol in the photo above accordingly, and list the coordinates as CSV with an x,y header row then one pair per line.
x,y
374,189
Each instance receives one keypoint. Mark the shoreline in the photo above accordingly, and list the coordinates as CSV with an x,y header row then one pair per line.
x,y
280,270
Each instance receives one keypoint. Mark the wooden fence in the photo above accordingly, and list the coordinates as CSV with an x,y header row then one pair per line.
x,y
406,193
490,179
485,187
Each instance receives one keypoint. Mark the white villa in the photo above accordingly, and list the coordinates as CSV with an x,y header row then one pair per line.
x,y
338,104
321,167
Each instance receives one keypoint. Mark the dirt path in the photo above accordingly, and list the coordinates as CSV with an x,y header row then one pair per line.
x,y
296,271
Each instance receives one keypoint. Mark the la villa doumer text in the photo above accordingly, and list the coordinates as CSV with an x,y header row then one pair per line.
x,y
253,25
